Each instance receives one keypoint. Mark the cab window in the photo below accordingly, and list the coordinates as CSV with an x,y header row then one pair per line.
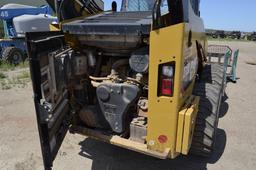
x,y
167,13
138,5
195,6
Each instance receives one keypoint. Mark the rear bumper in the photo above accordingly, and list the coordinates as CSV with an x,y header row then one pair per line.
x,y
121,142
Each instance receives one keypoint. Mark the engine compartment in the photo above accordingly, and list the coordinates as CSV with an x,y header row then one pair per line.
x,y
105,92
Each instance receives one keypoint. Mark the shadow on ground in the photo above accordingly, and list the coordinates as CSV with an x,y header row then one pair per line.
x,y
224,106
108,157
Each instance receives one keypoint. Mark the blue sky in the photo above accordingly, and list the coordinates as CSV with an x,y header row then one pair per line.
x,y
224,14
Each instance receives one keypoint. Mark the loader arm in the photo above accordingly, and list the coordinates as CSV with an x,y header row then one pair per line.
x,y
69,9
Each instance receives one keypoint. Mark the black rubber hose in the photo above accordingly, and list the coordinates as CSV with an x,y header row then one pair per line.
x,y
118,64
98,66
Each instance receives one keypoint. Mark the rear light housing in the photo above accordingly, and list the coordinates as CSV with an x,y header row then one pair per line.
x,y
166,79
166,88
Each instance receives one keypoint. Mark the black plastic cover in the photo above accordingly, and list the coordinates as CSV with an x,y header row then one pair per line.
x,y
115,101
112,32
111,23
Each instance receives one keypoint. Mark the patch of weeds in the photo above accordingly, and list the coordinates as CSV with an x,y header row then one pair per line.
x,y
20,81
5,66
2,75
16,82
23,75
24,64
5,85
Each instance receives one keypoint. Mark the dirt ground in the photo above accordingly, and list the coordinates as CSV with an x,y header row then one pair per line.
x,y
236,145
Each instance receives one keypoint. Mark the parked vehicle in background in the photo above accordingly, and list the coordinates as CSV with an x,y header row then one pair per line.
x,y
17,20
252,36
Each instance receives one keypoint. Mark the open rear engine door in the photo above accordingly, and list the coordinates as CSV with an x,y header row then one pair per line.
x,y
48,69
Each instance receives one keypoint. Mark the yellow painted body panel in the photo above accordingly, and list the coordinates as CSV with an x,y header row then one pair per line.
x,y
181,122
54,27
189,125
180,130
174,116
166,45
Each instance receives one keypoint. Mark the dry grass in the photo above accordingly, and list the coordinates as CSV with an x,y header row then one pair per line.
x,y
23,75
14,76
5,66
5,86
20,80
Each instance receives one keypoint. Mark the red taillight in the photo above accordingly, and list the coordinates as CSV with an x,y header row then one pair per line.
x,y
166,80
167,87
